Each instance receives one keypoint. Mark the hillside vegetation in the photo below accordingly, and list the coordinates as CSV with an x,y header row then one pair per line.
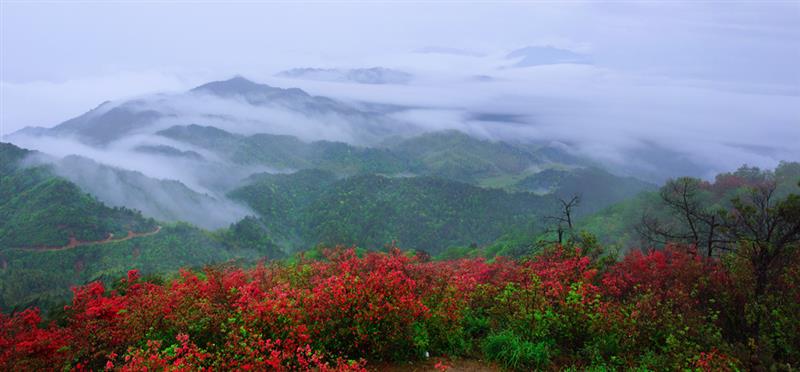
x,y
312,207
664,310
38,209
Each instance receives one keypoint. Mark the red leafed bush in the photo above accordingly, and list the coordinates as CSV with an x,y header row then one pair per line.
x,y
669,309
26,346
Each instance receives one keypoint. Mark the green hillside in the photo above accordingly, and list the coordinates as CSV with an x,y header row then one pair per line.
x,y
40,213
597,188
38,209
311,207
449,154
457,156
286,152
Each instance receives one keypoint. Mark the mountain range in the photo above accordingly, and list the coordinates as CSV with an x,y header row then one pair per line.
x,y
224,171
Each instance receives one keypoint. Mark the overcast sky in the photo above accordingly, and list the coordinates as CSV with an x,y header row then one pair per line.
x,y
60,59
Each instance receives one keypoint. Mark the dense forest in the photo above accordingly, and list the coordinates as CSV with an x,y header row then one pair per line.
x,y
424,213
40,210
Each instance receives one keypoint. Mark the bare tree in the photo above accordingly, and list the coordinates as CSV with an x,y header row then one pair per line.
x,y
693,222
767,231
563,222
757,228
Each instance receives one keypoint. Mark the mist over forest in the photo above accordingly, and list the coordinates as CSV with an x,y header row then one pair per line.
x,y
359,186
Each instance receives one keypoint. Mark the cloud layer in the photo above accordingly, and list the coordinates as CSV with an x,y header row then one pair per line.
x,y
713,85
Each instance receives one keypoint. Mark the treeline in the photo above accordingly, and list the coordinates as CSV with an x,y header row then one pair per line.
x,y
685,210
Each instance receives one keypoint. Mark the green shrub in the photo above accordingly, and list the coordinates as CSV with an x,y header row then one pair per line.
x,y
514,353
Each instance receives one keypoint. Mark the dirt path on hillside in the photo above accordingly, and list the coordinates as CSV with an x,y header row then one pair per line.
x,y
74,243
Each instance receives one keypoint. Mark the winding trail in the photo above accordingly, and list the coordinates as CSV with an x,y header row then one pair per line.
x,y
74,243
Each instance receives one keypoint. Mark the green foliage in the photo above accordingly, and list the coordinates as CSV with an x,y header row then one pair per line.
x,y
281,201
309,207
44,278
10,156
287,152
515,353
39,210
596,187
250,234
418,213
457,156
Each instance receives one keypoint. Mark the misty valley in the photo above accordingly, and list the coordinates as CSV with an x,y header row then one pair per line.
x,y
150,188
337,186
265,195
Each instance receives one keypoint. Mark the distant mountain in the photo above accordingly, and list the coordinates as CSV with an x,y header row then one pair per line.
x,y
457,156
169,151
545,55
313,206
287,153
281,201
596,187
482,78
374,75
230,103
103,124
450,155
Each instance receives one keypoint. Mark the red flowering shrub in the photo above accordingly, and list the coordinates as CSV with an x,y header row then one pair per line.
x,y
668,309
714,361
26,346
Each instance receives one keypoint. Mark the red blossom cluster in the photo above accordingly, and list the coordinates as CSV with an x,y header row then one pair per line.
x,y
344,311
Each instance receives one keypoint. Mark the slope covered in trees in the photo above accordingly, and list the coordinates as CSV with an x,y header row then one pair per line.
x,y
54,236
596,187
38,209
450,155
312,207
44,278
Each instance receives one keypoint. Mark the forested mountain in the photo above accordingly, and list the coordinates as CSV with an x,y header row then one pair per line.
x,y
53,236
449,155
312,207
457,156
284,152
175,157
162,199
214,102
119,199
38,209
596,187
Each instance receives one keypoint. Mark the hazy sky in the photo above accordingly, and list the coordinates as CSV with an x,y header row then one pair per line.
x,y
729,67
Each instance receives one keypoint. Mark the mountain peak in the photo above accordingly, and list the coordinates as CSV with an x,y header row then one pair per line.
x,y
239,85
236,83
